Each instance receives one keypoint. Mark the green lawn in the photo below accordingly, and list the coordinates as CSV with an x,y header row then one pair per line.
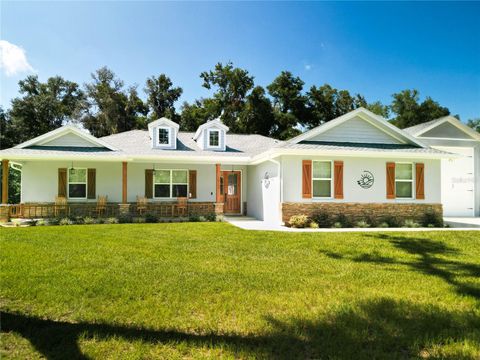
x,y
211,290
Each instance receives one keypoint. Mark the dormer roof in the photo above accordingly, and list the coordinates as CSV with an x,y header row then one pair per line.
x,y
211,123
162,122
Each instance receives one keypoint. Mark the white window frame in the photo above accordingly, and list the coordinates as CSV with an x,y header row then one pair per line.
x,y
76,182
209,131
330,179
170,184
169,130
405,180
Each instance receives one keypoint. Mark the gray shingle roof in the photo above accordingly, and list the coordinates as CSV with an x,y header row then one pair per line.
x,y
138,142
412,130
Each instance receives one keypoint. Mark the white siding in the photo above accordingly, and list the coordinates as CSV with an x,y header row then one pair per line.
x,y
40,179
356,130
263,198
353,168
69,139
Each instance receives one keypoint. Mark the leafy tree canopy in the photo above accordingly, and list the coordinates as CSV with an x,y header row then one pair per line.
x,y
108,108
42,107
161,97
409,112
474,124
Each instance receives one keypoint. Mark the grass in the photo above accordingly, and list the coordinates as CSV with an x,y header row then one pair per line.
x,y
211,290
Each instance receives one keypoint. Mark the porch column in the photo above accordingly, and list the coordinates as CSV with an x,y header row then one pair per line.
x,y
5,169
218,197
124,182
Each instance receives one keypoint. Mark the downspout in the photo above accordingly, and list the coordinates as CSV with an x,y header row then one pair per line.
x,y
280,178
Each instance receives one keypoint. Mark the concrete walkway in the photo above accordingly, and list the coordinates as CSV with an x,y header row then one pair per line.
x,y
249,223
462,222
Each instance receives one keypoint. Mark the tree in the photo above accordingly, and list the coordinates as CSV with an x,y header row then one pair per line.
x,y
232,86
257,116
474,124
289,105
161,97
7,131
108,108
378,108
409,112
42,107
194,115
321,102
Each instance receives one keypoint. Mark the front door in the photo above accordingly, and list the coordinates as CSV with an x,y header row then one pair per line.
x,y
232,190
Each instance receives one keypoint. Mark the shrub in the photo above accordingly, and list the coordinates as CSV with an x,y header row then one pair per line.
x,y
372,221
89,220
337,225
111,220
409,223
344,221
220,218
193,218
41,222
299,221
362,224
53,221
314,225
125,219
100,220
383,225
323,219
138,220
211,217
66,221
78,220
432,218
151,218
33,222
392,221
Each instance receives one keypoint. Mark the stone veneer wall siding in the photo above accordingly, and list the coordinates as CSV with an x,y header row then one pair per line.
x,y
360,211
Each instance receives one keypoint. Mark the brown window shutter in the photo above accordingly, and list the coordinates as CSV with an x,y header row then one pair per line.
x,y
91,183
62,182
192,183
307,179
338,179
420,181
390,180
149,183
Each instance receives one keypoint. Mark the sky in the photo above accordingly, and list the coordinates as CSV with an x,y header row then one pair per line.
x,y
371,48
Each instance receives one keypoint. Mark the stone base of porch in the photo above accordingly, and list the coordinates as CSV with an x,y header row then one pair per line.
x,y
361,211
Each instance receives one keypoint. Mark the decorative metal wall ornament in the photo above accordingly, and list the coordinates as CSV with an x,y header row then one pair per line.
x,y
266,180
366,179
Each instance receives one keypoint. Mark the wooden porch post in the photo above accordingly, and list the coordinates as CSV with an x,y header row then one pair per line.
x,y
5,169
124,182
218,197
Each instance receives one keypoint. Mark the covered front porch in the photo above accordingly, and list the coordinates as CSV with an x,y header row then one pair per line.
x,y
75,188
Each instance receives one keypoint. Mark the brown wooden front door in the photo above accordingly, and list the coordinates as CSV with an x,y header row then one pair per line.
x,y
232,191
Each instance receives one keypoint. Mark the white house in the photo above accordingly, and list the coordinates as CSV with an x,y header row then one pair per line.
x,y
460,176
356,164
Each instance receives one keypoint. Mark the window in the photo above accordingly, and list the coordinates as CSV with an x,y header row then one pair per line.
x,y
170,183
77,183
322,179
163,136
214,138
404,180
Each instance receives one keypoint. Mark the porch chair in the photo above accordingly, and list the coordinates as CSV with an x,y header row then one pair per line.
x,y
141,205
101,205
61,206
182,206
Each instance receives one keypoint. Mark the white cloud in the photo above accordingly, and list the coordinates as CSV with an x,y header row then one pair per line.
x,y
13,59
308,67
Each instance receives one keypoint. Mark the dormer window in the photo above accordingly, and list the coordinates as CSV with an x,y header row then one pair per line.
x,y
164,136
213,138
